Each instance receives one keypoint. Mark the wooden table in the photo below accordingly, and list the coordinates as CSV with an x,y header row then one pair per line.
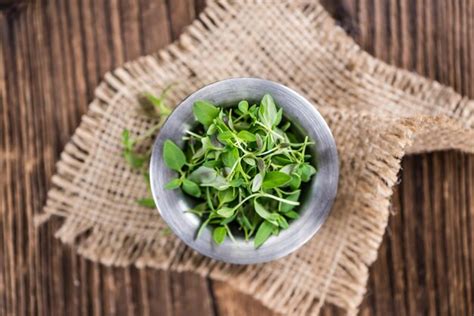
x,y
54,53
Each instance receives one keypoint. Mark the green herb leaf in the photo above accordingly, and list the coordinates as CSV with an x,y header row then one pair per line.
x,y
246,136
126,141
230,157
146,176
263,233
261,165
263,213
295,182
307,171
281,159
278,118
259,141
134,160
212,163
225,137
209,145
276,231
205,112
147,202
286,126
173,184
289,169
154,100
158,103
292,215
202,227
282,222
236,182
267,111
220,124
257,182
292,197
199,209
250,161
226,212
275,179
219,234
261,210
226,196
211,130
173,156
243,106
269,142
203,175
218,182
191,188
246,222
153,108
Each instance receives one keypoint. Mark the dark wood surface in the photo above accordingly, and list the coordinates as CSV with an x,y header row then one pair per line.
x,y
52,55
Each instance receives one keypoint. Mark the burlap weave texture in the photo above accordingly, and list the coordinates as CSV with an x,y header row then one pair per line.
x,y
377,114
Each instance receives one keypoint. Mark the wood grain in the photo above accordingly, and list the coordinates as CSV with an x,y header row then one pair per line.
x,y
54,53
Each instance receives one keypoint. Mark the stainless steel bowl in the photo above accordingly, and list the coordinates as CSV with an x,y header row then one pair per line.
x,y
317,197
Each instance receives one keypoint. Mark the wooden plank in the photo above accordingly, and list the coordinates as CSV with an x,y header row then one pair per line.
x,y
181,13
425,262
229,302
157,295
154,25
190,295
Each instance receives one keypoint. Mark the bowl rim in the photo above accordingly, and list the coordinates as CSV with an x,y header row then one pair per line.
x,y
207,248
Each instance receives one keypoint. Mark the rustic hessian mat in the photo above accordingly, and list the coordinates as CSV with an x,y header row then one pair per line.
x,y
376,112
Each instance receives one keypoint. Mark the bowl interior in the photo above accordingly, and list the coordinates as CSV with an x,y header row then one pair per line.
x,y
317,196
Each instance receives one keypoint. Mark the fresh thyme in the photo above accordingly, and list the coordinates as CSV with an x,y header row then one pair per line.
x,y
244,165
154,108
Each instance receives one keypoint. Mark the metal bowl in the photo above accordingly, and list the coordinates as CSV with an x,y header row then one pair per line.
x,y
317,197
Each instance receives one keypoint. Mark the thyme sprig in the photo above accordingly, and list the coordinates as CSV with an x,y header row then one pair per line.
x,y
245,166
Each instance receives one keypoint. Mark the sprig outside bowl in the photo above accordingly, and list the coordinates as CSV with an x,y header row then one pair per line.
x,y
316,199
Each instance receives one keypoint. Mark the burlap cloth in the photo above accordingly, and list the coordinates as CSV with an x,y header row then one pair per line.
x,y
376,112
